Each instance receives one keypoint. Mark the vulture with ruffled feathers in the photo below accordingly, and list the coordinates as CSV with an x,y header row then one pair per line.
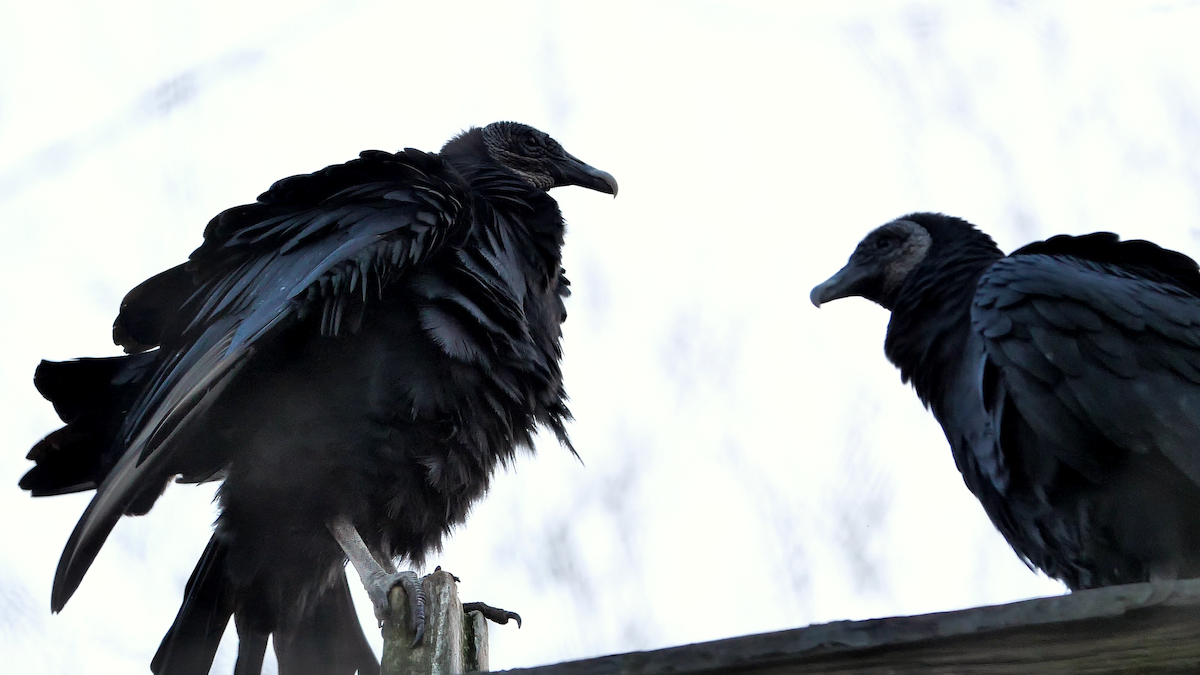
x,y
1066,377
352,355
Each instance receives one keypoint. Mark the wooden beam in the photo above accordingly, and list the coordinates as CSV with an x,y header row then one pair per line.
x,y
1150,627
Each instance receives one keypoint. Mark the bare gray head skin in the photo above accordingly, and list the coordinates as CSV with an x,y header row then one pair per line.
x,y
879,265
540,160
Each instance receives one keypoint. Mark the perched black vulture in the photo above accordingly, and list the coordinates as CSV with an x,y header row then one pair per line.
x,y
352,355
1067,379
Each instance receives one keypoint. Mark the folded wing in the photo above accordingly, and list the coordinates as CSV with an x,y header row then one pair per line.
x,y
311,254
1096,344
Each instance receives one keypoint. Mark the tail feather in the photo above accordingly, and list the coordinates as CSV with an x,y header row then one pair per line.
x,y
189,646
252,647
68,460
91,396
330,641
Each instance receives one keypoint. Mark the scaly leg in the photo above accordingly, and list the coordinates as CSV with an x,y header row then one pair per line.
x,y
379,579
493,614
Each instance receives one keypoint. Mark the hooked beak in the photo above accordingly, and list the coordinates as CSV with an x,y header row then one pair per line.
x,y
576,172
849,281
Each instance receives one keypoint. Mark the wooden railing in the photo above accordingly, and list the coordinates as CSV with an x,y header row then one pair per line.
x,y
1138,628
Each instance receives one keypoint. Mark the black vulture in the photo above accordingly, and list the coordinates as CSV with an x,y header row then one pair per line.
x,y
352,356
1066,377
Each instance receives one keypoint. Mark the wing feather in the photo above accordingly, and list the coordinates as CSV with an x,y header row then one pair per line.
x,y
1095,356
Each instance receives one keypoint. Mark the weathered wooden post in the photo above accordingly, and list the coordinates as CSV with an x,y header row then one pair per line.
x,y
453,643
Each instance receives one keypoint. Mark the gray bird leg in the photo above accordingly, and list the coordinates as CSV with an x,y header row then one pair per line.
x,y
380,578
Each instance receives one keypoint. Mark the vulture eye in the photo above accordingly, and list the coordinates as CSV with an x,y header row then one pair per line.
x,y
884,243
530,142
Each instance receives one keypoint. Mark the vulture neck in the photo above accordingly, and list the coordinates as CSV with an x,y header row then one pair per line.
x,y
931,319
505,200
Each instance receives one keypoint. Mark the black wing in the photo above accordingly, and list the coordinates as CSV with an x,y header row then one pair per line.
x,y
321,243
1100,356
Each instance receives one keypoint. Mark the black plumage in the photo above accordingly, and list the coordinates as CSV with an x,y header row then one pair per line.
x,y
363,345
1066,377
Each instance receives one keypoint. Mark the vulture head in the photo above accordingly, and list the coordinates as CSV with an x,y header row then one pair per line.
x,y
540,160
879,265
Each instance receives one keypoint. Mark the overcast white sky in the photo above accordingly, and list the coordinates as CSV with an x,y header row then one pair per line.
x,y
751,463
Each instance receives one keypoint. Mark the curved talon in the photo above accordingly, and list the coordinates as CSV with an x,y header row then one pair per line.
x,y
379,589
416,609
493,614
418,637
411,583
